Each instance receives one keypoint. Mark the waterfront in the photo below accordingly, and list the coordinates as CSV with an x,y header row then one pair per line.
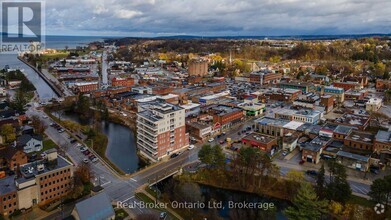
x,y
206,201
44,91
121,146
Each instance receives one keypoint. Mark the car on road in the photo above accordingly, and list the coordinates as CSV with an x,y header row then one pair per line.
x,y
239,133
301,162
82,149
284,153
311,172
223,133
192,139
60,130
222,142
174,155
85,160
73,141
163,215
86,152
45,116
190,147
211,140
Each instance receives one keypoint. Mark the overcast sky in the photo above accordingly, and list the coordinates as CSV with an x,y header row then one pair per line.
x,y
216,17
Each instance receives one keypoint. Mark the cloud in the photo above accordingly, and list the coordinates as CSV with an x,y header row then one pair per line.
x,y
218,17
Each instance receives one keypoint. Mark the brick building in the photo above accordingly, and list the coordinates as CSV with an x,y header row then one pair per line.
x,y
226,116
348,85
44,181
11,157
263,142
265,77
83,87
161,130
382,85
126,82
360,140
8,196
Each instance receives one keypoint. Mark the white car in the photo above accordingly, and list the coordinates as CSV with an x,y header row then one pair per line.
x,y
211,140
45,116
85,160
95,159
190,147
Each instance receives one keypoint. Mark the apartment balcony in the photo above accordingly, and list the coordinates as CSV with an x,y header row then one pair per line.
x,y
145,145
141,137
149,125
147,130
142,132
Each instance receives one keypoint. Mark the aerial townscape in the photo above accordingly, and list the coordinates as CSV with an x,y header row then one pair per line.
x,y
220,126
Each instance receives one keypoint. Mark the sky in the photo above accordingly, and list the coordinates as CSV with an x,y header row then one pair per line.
x,y
149,18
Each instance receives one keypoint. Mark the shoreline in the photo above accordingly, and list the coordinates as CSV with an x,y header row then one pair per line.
x,y
56,90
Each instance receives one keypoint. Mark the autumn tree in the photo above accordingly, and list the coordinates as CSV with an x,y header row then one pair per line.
x,y
8,132
38,125
306,204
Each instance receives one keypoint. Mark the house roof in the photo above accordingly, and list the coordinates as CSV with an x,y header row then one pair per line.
x,y
7,185
23,139
9,152
95,207
352,156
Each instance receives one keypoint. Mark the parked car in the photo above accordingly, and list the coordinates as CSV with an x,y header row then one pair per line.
x,y
85,160
301,162
95,159
222,142
211,140
82,148
284,153
163,215
174,155
223,133
190,147
73,141
311,172
86,152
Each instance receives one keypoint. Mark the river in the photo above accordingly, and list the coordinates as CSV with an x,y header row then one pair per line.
x,y
220,203
121,149
121,146
44,91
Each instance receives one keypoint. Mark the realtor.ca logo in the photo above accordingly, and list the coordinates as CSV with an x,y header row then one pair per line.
x,y
379,208
22,27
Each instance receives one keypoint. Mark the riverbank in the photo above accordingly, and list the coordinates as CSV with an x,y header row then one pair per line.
x,y
57,90
100,139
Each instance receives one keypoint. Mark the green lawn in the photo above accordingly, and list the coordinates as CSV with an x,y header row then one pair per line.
x,y
48,144
361,201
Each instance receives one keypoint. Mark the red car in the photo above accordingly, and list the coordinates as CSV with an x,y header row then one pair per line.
x,y
301,162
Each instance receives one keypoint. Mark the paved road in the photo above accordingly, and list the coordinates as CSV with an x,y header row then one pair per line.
x,y
122,189
104,68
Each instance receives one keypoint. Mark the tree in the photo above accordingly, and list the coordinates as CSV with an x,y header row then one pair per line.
x,y
306,204
338,189
8,132
295,176
320,182
381,190
205,154
218,157
19,101
38,125
213,156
